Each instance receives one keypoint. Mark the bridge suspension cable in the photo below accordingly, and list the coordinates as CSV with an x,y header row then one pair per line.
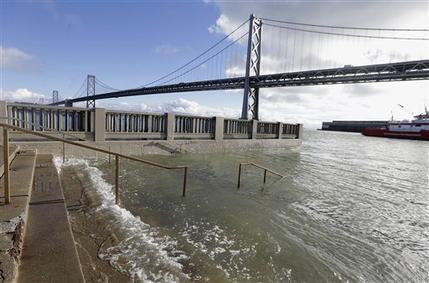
x,y
206,60
296,46
104,85
347,34
199,60
82,91
344,27
79,92
199,56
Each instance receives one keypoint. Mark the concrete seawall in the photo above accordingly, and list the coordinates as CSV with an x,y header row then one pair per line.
x,y
161,147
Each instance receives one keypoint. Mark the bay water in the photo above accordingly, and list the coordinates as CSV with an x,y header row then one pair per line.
x,y
349,209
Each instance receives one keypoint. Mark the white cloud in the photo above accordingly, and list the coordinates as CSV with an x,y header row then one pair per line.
x,y
194,108
290,51
15,59
359,90
313,104
223,25
22,95
180,105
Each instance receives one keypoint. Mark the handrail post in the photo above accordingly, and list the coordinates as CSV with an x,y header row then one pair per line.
x,y
239,176
110,156
6,165
117,179
7,127
265,175
64,149
185,178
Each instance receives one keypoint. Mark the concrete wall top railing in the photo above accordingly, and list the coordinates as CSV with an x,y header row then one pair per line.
x,y
238,129
75,121
131,125
100,124
194,127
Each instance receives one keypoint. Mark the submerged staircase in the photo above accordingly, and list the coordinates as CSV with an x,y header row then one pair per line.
x,y
36,242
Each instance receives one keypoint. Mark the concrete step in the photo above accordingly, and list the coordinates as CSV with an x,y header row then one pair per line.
x,y
13,216
49,252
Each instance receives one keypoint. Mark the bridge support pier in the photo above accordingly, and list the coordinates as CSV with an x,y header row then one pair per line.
x,y
90,91
253,63
55,97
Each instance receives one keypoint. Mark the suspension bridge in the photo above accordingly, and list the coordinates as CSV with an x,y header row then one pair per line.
x,y
295,54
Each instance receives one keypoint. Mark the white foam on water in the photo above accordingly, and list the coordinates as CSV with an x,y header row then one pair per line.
x,y
144,253
227,251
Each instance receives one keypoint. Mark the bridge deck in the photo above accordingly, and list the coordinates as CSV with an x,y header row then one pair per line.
x,y
409,70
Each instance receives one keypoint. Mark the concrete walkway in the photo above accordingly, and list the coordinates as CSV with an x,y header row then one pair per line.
x,y
91,234
13,216
49,253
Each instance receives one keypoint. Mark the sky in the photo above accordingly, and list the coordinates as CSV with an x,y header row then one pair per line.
x,y
47,45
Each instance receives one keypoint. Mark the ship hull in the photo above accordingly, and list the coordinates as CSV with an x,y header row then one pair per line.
x,y
422,135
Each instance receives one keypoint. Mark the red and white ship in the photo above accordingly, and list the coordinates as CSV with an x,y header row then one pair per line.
x,y
417,129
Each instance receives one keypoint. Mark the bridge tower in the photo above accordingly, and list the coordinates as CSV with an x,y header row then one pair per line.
x,y
253,63
55,97
90,91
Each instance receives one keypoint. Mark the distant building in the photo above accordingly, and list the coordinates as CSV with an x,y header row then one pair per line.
x,y
352,126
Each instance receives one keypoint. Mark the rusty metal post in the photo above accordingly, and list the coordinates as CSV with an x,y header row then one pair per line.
x,y
6,165
265,175
117,179
185,178
64,149
239,176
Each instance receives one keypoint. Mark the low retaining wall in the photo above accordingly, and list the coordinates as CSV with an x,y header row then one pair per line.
x,y
161,147
99,125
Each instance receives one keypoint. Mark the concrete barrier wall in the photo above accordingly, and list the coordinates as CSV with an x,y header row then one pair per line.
x,y
108,125
161,147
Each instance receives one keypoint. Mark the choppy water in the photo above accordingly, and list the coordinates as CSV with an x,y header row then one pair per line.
x,y
351,208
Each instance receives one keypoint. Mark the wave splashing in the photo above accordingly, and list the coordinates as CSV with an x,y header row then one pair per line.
x,y
141,251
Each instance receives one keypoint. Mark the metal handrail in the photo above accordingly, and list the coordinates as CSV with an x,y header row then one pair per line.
x,y
6,128
42,127
258,166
